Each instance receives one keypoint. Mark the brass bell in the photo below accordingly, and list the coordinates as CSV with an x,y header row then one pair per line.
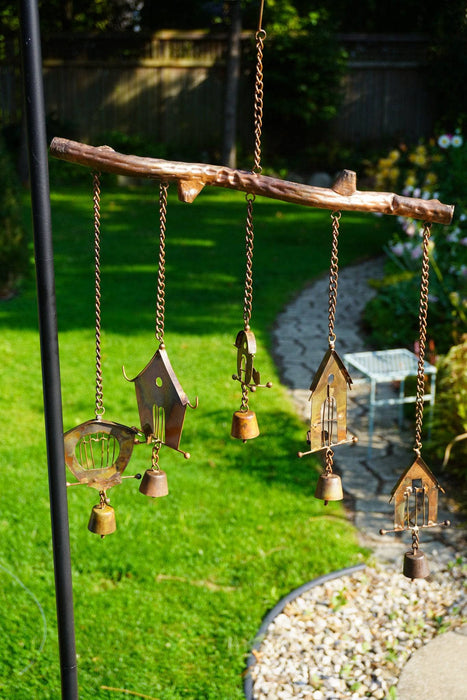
x,y
154,483
102,521
244,425
329,487
415,564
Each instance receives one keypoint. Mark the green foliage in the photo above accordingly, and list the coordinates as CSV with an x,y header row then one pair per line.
x,y
433,169
450,419
167,606
13,243
303,67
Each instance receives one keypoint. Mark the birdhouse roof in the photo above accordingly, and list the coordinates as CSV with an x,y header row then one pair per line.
x,y
330,359
159,366
417,470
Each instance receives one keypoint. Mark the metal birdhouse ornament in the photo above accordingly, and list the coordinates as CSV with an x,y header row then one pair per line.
x,y
244,421
416,493
162,403
328,420
98,451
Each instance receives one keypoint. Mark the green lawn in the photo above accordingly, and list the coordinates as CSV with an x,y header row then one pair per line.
x,y
167,606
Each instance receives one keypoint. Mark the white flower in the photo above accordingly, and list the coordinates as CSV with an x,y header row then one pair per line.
x,y
444,141
453,237
457,141
410,229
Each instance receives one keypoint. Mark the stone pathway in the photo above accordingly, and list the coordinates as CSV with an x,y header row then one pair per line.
x,y
300,650
300,341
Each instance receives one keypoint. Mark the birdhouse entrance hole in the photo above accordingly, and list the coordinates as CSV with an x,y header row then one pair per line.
x,y
97,451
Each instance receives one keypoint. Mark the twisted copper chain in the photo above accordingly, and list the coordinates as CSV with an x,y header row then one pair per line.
x,y
259,92
422,319
155,455
333,277
329,461
160,302
100,410
250,198
249,242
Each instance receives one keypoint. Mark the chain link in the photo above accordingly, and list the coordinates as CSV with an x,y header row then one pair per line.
x,y
333,277
422,318
100,410
329,461
160,303
249,242
415,540
259,93
155,455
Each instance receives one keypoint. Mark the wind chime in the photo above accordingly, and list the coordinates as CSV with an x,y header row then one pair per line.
x,y
416,492
328,420
98,451
162,403
244,421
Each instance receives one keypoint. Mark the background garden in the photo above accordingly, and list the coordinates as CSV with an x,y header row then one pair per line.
x,y
167,606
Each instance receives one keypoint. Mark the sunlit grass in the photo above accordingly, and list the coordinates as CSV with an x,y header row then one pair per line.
x,y
169,604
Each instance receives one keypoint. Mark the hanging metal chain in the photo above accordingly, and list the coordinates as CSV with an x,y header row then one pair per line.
x,y
160,303
333,276
155,455
415,540
249,242
259,83
100,410
422,318
250,198
329,461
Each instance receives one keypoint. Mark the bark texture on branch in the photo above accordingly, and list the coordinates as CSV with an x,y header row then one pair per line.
x,y
192,177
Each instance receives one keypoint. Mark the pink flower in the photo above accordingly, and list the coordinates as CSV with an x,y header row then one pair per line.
x,y
398,249
416,253
463,241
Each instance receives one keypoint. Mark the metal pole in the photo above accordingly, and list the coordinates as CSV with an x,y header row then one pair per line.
x,y
43,251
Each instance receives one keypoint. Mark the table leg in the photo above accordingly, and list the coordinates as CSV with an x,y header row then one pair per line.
x,y
401,402
371,416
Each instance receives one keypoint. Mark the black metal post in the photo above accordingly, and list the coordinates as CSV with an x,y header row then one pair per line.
x,y
43,252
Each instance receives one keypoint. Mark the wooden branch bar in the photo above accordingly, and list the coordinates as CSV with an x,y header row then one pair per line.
x,y
192,177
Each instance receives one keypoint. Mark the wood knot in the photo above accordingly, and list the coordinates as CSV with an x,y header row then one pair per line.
x,y
345,183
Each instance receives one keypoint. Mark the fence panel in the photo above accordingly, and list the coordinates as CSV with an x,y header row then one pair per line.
x,y
170,88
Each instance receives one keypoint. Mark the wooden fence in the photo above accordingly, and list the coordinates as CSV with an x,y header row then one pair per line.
x,y
170,87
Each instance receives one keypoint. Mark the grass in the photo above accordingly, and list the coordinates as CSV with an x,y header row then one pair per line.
x,y
166,607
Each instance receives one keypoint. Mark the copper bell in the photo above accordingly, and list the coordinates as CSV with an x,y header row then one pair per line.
x,y
154,483
244,425
329,487
102,521
415,564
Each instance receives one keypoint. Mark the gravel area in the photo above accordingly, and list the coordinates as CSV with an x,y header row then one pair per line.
x,y
350,637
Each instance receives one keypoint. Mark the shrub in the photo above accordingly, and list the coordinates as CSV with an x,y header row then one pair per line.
x,y
13,244
303,68
450,416
430,170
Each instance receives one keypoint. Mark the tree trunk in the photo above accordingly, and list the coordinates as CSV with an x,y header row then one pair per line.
x,y
229,151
